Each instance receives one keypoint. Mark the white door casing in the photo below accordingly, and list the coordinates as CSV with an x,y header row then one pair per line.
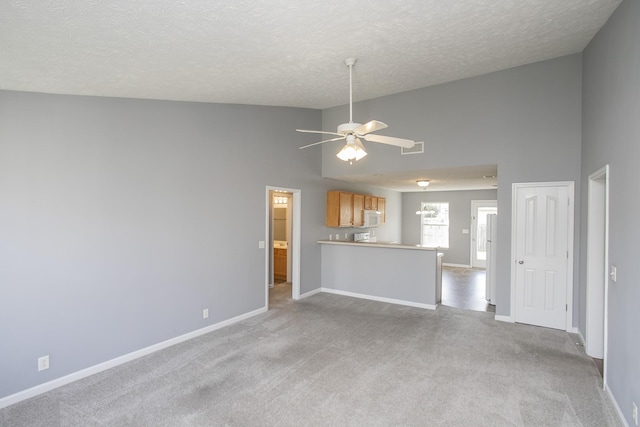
x,y
597,264
293,249
542,249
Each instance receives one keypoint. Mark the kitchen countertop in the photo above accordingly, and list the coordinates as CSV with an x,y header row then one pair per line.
x,y
376,245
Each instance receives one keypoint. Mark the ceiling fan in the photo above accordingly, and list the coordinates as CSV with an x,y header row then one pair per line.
x,y
352,132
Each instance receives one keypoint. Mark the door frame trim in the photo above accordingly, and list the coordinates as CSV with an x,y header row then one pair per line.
x,y
570,185
295,241
601,254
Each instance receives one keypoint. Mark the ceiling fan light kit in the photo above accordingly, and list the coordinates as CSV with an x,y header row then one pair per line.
x,y
353,150
351,132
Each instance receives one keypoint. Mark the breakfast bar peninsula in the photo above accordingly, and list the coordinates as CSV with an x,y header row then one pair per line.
x,y
388,272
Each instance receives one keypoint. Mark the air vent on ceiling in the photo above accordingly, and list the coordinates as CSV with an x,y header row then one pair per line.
x,y
418,148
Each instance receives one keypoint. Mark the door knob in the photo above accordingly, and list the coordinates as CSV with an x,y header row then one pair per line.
x,y
521,262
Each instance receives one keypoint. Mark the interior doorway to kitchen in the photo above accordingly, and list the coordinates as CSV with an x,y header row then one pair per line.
x,y
282,243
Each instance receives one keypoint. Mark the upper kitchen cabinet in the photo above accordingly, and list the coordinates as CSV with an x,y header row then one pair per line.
x,y
339,209
382,206
346,209
370,203
358,210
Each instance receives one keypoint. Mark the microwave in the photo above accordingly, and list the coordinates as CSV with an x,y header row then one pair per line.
x,y
372,219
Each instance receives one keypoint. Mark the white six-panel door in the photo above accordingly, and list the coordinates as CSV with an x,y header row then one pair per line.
x,y
543,224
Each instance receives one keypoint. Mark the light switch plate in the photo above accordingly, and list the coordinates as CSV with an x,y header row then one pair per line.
x,y
260,244
614,273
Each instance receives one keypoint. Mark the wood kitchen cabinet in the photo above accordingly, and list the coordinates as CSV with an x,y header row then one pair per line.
x,y
370,203
279,264
358,210
346,209
339,209
382,206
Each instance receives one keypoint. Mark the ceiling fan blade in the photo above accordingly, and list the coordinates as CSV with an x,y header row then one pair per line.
x,y
318,131
399,142
322,142
372,126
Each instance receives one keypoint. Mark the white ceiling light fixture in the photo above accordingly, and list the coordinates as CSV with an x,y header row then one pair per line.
x,y
424,209
352,150
280,200
352,132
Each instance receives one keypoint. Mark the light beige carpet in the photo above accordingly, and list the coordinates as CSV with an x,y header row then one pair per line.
x,y
339,361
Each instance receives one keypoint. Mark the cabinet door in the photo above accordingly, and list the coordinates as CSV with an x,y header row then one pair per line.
x,y
374,203
333,208
382,205
280,264
358,210
367,203
346,210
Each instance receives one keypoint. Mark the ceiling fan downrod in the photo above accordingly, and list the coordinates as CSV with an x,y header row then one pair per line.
x,y
350,62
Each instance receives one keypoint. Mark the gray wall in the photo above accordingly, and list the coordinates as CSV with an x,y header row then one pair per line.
x,y
611,135
527,120
459,251
121,219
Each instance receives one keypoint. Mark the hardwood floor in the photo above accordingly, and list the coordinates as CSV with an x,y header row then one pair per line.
x,y
465,288
461,288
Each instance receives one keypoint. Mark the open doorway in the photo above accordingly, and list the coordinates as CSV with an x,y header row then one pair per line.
x,y
281,237
597,268
465,286
282,258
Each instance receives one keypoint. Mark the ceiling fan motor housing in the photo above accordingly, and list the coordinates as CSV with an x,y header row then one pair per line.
x,y
347,128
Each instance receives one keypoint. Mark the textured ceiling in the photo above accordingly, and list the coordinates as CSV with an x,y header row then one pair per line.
x,y
280,52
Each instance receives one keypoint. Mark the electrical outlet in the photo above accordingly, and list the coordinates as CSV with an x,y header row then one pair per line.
x,y
634,412
260,244
337,236
43,363
205,313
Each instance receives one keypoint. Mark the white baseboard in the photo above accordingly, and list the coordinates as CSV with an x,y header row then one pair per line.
x,y
448,264
310,293
380,299
502,318
615,404
78,375
575,330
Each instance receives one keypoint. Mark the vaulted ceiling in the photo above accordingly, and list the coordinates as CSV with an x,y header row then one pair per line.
x,y
281,52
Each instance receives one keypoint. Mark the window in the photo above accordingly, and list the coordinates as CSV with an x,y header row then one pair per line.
x,y
435,224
